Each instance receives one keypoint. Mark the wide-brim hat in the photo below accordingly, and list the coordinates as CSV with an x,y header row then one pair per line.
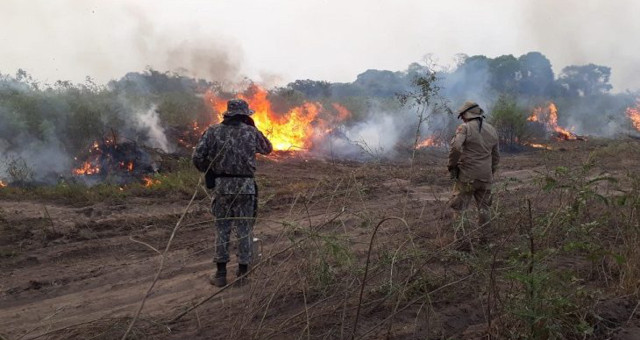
x,y
237,107
470,110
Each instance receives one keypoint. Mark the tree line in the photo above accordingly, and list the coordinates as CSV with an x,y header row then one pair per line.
x,y
72,115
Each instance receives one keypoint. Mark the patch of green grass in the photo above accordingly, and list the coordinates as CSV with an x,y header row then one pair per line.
x,y
179,183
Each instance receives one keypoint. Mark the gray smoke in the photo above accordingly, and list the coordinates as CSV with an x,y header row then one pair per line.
x,y
381,134
573,32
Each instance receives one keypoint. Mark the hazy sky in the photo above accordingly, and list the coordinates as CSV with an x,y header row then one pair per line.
x,y
276,41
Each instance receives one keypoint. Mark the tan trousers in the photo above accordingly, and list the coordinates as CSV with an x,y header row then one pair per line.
x,y
464,192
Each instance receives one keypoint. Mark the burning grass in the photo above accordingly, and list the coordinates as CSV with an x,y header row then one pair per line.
x,y
634,114
109,157
549,117
179,182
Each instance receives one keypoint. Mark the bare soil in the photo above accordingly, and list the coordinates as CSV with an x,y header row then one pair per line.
x,y
76,272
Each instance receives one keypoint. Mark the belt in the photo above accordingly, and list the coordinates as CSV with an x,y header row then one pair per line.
x,y
232,176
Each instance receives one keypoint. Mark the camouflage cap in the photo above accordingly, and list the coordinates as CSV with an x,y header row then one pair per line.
x,y
470,110
238,107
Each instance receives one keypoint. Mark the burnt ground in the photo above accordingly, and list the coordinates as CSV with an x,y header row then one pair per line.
x,y
76,271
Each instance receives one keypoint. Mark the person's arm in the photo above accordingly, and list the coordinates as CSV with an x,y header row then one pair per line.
x,y
456,148
201,152
263,145
495,158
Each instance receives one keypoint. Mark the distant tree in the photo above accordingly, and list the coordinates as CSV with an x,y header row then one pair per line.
x,y
154,82
510,120
311,88
182,109
470,78
284,98
415,70
585,80
379,83
537,77
505,73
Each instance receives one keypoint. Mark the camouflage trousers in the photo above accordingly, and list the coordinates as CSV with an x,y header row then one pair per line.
x,y
234,212
464,192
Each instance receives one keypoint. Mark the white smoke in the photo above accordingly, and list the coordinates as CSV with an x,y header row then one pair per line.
x,y
150,122
378,134
381,135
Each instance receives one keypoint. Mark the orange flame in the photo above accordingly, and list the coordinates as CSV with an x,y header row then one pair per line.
x,y
293,130
540,146
549,116
87,169
2,184
128,166
634,114
149,182
343,113
429,142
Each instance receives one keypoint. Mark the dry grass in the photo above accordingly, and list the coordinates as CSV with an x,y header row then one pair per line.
x,y
562,245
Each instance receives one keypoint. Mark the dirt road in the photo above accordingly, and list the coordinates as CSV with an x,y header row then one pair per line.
x,y
63,266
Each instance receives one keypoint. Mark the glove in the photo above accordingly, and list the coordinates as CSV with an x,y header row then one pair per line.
x,y
454,173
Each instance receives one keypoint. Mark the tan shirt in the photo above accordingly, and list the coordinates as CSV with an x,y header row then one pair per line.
x,y
474,151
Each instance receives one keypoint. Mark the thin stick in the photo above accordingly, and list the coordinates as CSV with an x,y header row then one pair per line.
x,y
58,310
633,312
145,244
162,259
53,227
266,308
306,309
294,244
411,303
62,329
179,316
198,319
366,271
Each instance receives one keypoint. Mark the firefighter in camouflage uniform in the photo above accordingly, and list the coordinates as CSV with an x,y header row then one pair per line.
x,y
473,159
226,153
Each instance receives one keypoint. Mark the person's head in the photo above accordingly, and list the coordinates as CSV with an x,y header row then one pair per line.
x,y
470,110
237,107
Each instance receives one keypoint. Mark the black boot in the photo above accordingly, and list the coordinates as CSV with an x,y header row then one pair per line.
x,y
219,279
242,269
242,274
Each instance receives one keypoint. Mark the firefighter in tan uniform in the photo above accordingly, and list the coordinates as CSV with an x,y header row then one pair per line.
x,y
473,159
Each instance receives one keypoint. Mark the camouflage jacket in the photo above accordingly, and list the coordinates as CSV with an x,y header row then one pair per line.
x,y
231,150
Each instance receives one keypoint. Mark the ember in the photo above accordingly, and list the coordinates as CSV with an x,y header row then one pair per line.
x,y
294,130
149,182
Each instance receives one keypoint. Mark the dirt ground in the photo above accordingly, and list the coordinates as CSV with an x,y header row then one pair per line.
x,y
73,271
